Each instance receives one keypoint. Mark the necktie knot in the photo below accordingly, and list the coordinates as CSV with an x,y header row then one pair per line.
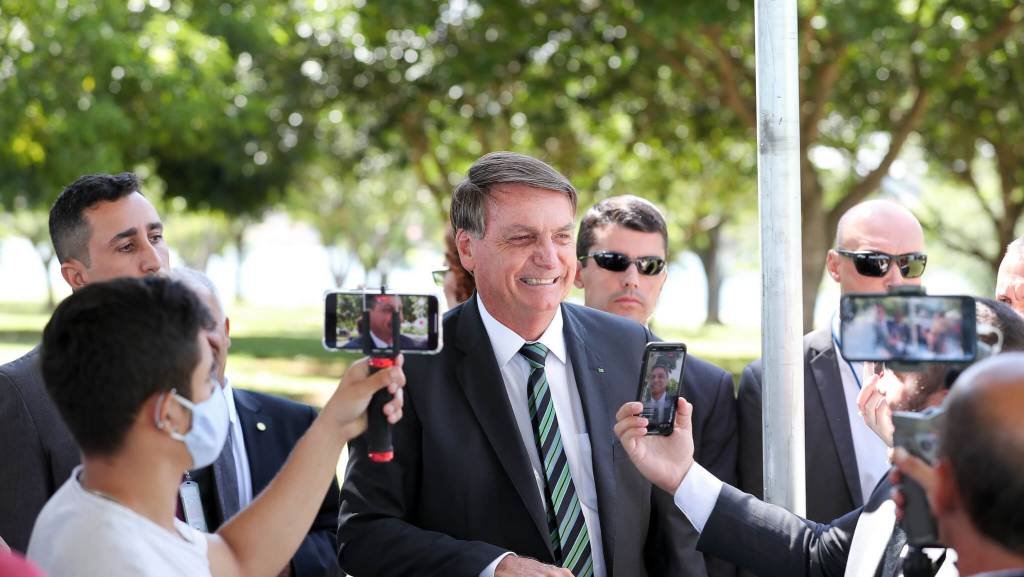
x,y
535,353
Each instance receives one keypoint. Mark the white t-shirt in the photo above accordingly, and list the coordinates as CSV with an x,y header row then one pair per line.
x,y
82,534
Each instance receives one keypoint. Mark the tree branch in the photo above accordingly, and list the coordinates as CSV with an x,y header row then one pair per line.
x,y
727,70
826,80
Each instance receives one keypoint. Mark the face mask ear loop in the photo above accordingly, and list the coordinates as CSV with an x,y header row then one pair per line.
x,y
160,422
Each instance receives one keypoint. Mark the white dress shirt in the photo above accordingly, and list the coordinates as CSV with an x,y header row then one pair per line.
x,y
242,472
871,452
515,370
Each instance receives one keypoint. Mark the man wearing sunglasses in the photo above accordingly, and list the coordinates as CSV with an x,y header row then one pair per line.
x,y
879,245
622,248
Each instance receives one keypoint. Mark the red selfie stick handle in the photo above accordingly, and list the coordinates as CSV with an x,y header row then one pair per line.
x,y
378,429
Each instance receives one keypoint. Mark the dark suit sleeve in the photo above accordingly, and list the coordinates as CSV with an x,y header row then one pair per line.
x,y
377,536
25,483
773,542
317,554
751,436
718,449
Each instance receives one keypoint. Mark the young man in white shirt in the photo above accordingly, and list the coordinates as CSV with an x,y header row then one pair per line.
x,y
130,367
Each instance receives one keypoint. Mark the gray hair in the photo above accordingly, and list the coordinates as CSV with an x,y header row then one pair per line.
x,y
198,281
469,210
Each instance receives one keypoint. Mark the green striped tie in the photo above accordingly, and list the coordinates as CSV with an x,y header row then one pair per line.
x,y
568,529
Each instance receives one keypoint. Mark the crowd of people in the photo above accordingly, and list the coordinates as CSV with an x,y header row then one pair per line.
x,y
521,449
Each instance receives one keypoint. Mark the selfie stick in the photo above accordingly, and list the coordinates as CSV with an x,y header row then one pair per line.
x,y
378,429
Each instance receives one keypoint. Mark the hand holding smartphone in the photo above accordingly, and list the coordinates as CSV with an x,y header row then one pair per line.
x,y
661,377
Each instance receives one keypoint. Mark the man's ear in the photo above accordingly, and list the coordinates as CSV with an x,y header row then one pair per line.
x,y
832,264
577,280
167,415
464,245
945,497
75,273
227,330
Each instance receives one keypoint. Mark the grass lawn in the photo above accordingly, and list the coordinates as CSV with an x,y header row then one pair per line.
x,y
278,350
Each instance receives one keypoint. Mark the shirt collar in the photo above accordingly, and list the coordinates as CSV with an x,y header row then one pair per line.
x,y
230,396
506,343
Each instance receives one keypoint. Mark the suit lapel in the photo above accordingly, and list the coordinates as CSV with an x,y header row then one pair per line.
x,y
480,379
829,381
589,383
250,413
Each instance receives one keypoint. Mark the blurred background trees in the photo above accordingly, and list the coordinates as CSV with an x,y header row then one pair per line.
x,y
358,117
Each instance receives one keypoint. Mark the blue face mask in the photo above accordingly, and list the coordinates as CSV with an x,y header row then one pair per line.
x,y
210,422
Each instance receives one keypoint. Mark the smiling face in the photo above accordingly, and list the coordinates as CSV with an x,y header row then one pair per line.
x,y
628,293
525,261
659,382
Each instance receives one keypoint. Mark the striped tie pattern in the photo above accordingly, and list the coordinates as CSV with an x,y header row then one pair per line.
x,y
568,529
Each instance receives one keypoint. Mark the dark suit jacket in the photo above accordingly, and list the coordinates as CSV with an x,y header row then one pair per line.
x,y
406,342
37,452
772,542
460,491
833,487
710,390
284,422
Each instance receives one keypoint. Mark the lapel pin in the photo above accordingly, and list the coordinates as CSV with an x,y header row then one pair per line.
x,y
600,369
261,426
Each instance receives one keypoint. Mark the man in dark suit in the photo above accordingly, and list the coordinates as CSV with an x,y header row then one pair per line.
x,y
523,379
264,429
101,228
773,542
844,459
622,247
380,308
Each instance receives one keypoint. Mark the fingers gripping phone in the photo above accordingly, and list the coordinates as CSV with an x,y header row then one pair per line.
x,y
661,377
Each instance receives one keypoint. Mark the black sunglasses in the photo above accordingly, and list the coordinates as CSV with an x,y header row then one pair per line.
x,y
439,275
876,264
618,262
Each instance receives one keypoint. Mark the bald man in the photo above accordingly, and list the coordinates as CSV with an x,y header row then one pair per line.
x,y
879,244
1010,280
979,515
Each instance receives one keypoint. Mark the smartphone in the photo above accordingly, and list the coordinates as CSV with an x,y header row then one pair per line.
x,y
661,376
918,433
909,329
353,317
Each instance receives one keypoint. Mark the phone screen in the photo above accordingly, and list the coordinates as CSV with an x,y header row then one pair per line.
x,y
352,318
660,380
908,328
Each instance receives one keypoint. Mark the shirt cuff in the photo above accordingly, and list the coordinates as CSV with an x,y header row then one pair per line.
x,y
697,495
489,570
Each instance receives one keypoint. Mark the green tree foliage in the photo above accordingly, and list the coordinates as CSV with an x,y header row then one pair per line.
x,y
973,139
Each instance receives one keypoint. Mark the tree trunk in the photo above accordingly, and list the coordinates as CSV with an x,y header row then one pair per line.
x,y
816,240
239,240
713,271
51,300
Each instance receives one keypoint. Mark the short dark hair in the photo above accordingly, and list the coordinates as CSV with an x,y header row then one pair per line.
x,y
68,230
987,456
627,211
111,345
469,200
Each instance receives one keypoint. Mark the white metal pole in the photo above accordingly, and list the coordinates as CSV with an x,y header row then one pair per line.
x,y
778,176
